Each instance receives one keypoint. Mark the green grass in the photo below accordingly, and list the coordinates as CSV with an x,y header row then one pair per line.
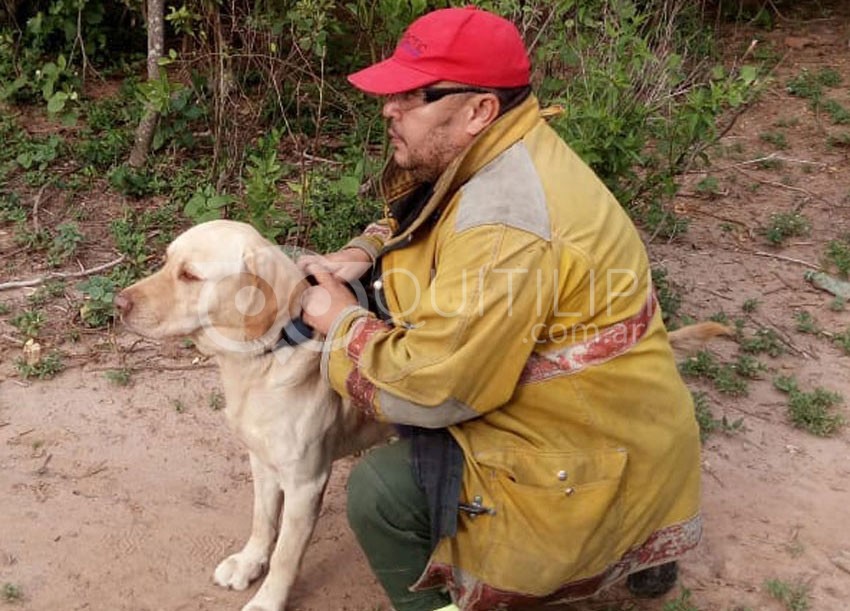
x,y
28,322
784,225
812,411
795,596
119,377
44,369
726,377
682,603
708,424
669,298
811,85
777,139
764,341
838,114
750,305
12,593
837,255
806,323
216,401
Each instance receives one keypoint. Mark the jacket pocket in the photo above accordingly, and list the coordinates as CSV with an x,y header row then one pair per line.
x,y
558,517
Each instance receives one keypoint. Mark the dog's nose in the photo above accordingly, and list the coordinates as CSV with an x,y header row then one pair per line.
x,y
123,303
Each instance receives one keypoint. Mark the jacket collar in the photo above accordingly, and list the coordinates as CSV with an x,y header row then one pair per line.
x,y
502,134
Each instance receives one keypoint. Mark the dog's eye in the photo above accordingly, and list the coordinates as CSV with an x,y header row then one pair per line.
x,y
186,276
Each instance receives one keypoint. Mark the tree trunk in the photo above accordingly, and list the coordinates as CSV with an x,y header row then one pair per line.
x,y
150,120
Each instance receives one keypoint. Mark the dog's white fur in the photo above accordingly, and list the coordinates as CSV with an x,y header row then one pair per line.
x,y
231,291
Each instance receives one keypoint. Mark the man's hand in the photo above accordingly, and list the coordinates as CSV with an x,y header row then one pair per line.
x,y
321,304
346,265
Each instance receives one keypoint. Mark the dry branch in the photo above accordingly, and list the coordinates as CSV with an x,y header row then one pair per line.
x,y
17,284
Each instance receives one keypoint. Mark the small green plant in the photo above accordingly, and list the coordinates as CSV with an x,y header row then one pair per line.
x,y
136,183
838,255
842,340
725,376
99,293
795,596
43,369
669,297
206,204
811,411
4,308
839,304
64,244
767,162
806,323
12,593
38,153
838,140
708,424
682,603
49,290
784,225
28,322
179,406
811,84
838,114
708,186
216,401
777,139
750,305
763,341
119,377
263,172
747,366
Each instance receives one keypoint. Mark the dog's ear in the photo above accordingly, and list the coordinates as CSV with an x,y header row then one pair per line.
x,y
275,292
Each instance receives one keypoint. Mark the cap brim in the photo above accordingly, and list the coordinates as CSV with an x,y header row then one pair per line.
x,y
388,77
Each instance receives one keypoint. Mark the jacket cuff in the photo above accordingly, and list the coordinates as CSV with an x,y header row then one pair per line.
x,y
336,338
371,246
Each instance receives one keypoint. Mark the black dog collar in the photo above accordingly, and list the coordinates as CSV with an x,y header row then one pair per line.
x,y
296,331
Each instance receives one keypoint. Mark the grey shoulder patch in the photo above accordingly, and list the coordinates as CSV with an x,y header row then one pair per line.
x,y
506,191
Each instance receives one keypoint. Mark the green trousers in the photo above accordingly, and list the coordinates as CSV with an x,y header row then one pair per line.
x,y
388,512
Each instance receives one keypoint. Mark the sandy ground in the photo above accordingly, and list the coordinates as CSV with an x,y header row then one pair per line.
x,y
125,498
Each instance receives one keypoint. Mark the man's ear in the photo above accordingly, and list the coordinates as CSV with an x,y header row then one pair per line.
x,y
484,109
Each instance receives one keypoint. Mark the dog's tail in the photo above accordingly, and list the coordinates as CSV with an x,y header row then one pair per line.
x,y
690,339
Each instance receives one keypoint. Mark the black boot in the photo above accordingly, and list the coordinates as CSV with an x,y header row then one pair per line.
x,y
653,582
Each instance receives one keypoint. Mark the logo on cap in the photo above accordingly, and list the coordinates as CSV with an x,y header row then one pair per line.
x,y
412,45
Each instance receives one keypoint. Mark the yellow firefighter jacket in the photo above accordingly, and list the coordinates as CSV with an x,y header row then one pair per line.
x,y
524,320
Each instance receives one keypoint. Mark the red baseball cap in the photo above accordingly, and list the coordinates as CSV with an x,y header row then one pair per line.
x,y
464,45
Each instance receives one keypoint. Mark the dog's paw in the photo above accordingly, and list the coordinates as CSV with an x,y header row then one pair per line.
x,y
239,570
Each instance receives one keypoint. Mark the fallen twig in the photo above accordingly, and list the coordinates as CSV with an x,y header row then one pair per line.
x,y
16,284
779,185
771,157
760,253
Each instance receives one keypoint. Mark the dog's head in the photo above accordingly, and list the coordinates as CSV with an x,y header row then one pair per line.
x,y
222,284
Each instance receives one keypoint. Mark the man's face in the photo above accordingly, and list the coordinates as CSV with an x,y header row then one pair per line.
x,y
427,136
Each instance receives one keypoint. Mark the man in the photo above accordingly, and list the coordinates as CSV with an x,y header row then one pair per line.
x,y
549,446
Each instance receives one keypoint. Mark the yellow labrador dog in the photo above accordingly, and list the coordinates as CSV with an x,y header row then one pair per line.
x,y
233,293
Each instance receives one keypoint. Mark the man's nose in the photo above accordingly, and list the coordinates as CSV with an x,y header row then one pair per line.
x,y
391,109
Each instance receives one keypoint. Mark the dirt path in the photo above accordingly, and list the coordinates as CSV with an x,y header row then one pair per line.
x,y
125,498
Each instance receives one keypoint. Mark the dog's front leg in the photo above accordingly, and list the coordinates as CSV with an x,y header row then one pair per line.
x,y
240,569
300,513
